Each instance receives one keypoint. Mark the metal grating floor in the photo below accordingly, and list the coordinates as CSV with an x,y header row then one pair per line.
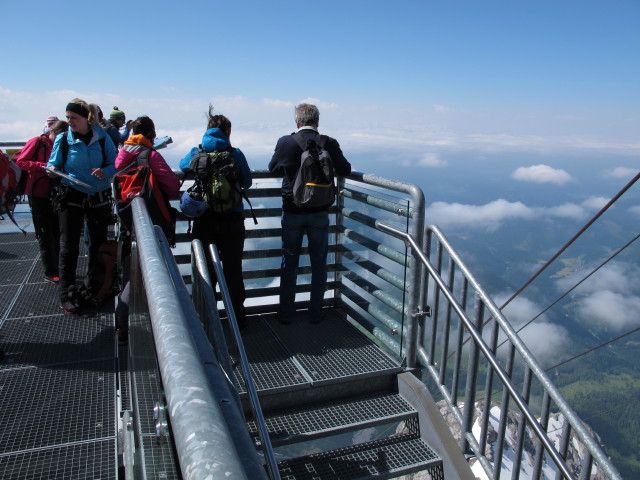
x,y
303,354
338,415
382,459
58,381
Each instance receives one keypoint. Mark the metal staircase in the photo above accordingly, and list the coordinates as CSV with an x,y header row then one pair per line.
x,y
322,387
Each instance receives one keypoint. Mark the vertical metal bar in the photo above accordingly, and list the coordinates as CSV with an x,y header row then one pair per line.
x,y
339,236
564,444
436,309
455,382
522,427
504,411
472,375
447,327
488,388
587,464
544,421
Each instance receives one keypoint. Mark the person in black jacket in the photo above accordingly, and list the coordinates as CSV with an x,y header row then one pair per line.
x,y
297,221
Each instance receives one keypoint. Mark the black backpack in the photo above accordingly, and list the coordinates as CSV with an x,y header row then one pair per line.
x,y
216,180
313,185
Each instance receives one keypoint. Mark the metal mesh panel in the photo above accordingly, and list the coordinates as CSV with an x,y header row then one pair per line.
x,y
382,459
160,461
56,339
271,365
337,415
77,399
333,349
84,461
19,250
15,272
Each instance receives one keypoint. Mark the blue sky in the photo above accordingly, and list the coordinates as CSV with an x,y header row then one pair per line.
x,y
483,104
502,111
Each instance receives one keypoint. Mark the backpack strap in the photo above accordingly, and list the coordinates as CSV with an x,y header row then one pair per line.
x,y
65,150
302,143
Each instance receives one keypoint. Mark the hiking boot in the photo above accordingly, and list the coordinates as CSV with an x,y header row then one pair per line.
x,y
69,307
51,278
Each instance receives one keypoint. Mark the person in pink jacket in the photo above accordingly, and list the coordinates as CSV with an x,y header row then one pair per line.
x,y
31,159
144,132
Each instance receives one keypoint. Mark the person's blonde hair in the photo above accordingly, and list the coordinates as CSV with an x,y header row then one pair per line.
x,y
94,117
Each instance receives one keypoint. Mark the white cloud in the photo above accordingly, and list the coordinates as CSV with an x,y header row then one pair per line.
x,y
487,216
442,109
542,338
595,203
621,172
609,299
635,210
541,174
432,160
610,310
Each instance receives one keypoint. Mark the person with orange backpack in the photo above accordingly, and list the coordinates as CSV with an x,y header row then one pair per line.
x,y
142,171
31,159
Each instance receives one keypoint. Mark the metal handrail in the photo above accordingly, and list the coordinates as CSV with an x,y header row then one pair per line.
x,y
553,392
203,443
272,464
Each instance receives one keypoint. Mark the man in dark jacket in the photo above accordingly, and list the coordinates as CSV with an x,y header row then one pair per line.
x,y
296,221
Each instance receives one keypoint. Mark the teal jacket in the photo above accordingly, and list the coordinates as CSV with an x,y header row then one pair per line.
x,y
82,159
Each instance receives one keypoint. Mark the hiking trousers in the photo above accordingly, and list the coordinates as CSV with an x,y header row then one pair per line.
x,y
294,227
75,206
47,227
227,233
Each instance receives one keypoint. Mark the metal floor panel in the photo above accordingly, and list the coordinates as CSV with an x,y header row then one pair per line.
x,y
333,349
159,460
55,340
25,250
54,406
91,460
7,297
15,272
382,459
272,367
338,415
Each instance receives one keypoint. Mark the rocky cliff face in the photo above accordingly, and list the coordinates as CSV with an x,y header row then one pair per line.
x,y
575,453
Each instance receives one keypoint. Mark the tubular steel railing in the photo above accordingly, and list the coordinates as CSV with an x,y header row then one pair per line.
x,y
205,443
382,278
513,365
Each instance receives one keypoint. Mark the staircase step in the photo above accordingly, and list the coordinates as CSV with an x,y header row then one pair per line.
x,y
388,458
321,420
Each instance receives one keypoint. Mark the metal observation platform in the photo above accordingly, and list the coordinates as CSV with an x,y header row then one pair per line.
x,y
353,397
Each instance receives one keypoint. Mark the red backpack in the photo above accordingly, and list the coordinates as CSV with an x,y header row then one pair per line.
x,y
9,178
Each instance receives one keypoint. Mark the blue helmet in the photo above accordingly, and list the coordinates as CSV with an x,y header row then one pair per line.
x,y
190,207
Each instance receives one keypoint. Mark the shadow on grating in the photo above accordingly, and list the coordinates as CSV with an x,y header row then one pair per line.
x,y
15,272
44,407
88,460
21,250
56,339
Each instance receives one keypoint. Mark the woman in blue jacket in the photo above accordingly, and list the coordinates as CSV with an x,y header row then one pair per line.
x,y
85,153
227,231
